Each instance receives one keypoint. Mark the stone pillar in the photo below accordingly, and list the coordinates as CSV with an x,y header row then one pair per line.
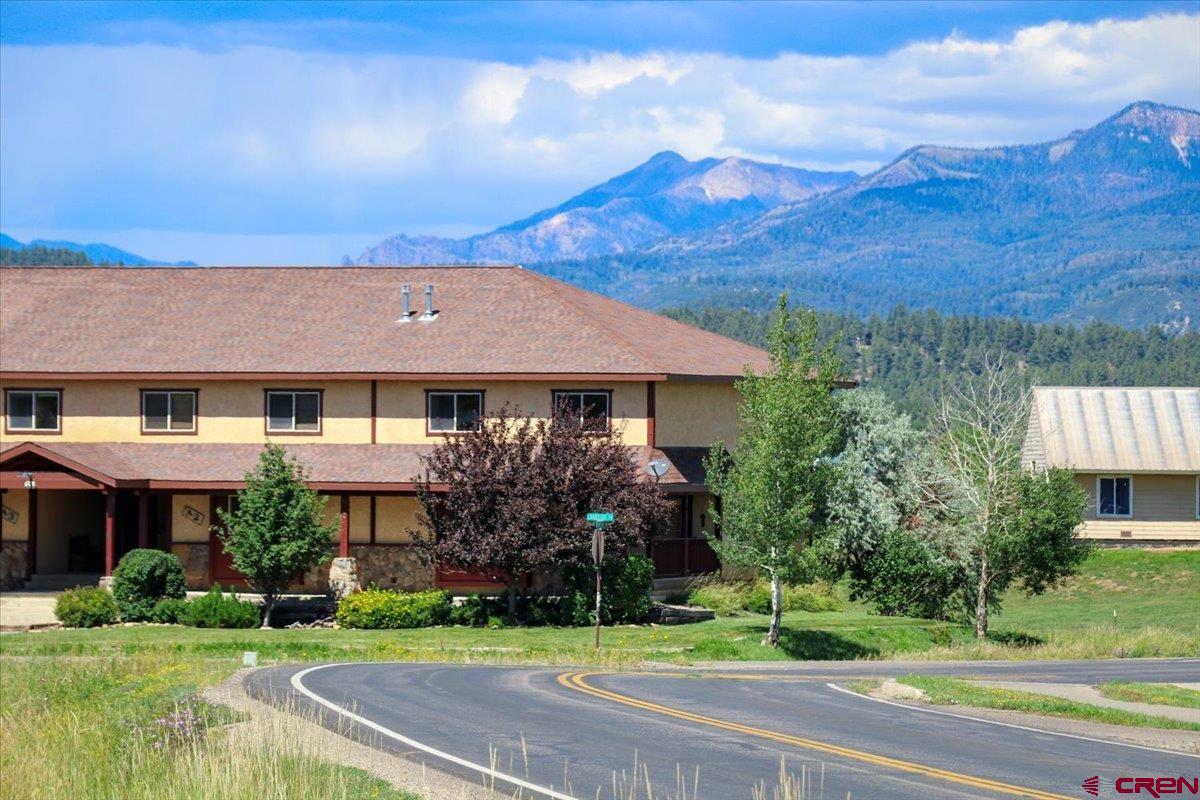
x,y
343,577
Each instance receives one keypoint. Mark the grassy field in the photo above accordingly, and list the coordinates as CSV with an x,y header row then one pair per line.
x,y
1163,694
133,729
1153,593
950,691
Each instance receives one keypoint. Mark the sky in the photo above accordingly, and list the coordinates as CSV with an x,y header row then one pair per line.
x,y
300,132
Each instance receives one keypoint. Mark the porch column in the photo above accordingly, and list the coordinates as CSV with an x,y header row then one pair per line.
x,y
344,530
110,539
651,413
143,519
31,560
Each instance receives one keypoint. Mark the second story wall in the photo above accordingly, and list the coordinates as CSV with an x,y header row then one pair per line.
x,y
696,414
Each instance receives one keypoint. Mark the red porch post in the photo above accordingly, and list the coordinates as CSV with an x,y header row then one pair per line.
x,y
31,561
344,530
143,519
110,539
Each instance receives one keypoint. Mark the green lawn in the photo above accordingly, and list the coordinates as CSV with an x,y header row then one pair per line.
x,y
950,691
93,728
1154,593
1162,694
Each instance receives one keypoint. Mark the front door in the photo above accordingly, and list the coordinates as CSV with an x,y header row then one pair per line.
x,y
220,563
679,549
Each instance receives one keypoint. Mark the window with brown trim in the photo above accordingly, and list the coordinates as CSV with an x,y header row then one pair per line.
x,y
588,407
293,411
33,410
169,410
453,412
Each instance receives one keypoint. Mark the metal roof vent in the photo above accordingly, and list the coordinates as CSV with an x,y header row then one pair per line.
x,y
406,313
430,315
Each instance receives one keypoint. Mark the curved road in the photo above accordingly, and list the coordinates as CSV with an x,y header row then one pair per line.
x,y
557,732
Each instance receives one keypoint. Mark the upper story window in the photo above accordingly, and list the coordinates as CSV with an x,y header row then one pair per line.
x,y
169,411
293,411
34,410
453,412
1114,496
591,409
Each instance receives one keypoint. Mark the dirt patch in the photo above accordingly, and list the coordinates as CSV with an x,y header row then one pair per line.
x,y
265,723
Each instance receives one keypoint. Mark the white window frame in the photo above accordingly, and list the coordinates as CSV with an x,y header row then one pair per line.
x,y
8,426
170,408
293,429
1099,480
455,393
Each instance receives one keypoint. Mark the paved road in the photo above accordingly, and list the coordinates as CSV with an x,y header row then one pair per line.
x,y
570,733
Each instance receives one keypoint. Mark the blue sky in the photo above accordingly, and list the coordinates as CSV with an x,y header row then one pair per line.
x,y
300,132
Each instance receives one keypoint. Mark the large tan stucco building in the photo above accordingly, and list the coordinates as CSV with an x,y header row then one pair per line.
x,y
1136,452
135,400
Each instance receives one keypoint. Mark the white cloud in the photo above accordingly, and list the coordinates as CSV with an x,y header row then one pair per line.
x,y
254,140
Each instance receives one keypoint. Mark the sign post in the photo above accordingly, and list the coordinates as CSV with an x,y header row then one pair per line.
x,y
599,520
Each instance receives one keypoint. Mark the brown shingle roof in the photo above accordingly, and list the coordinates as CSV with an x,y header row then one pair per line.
x,y
331,320
137,462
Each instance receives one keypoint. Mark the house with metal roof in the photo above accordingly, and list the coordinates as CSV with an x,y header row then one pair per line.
x,y
135,401
1135,451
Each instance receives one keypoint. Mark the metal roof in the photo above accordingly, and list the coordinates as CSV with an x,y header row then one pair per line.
x,y
1102,429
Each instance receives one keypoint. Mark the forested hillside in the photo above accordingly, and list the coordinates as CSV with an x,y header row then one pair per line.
x,y
909,353
36,256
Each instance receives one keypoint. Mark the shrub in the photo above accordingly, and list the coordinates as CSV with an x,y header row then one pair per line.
x,y
217,610
734,597
473,611
86,607
383,608
908,579
624,591
142,579
169,610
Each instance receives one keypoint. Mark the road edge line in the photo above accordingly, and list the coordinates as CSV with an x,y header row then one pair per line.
x,y
843,690
298,684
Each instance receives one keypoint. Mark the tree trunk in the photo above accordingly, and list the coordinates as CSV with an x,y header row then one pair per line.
x,y
772,637
268,607
981,609
512,604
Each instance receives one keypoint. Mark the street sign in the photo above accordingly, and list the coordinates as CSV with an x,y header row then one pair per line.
x,y
598,546
599,518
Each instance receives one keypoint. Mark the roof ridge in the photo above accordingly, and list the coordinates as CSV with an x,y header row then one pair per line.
x,y
548,283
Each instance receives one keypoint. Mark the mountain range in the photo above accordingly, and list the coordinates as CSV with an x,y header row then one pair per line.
x,y
666,196
1103,223
97,253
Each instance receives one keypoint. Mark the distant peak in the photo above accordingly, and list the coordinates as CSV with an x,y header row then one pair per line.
x,y
665,156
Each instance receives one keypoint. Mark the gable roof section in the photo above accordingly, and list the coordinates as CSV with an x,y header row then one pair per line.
x,y
1091,429
332,321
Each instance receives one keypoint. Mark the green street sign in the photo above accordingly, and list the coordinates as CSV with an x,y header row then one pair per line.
x,y
599,517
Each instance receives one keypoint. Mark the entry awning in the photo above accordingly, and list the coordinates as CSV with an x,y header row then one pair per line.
x,y
342,467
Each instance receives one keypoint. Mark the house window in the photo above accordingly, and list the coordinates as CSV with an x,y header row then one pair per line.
x,y
293,411
592,410
453,412
33,410
1114,496
171,411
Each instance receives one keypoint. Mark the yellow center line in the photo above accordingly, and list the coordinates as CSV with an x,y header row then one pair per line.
x,y
577,681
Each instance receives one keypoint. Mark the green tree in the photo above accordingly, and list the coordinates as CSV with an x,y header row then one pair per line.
x,y
276,530
1005,525
771,486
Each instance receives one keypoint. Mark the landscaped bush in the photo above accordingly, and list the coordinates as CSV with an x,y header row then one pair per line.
x,y
142,579
86,607
624,591
218,610
908,579
731,598
170,610
474,611
383,608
